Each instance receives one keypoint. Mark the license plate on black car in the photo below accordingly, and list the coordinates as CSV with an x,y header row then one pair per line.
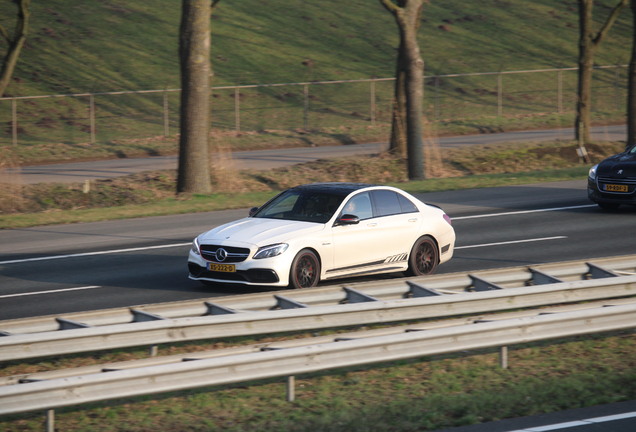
x,y
615,188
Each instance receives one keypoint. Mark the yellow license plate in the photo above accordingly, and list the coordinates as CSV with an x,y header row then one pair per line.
x,y
616,188
225,268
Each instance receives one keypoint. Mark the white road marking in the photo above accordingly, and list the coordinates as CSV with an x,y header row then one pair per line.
x,y
46,258
585,422
50,291
511,242
523,212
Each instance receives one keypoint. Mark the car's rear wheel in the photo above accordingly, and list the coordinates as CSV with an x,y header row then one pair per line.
x,y
305,270
424,257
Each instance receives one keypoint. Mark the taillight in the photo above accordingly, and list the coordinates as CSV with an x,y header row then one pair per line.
x,y
448,219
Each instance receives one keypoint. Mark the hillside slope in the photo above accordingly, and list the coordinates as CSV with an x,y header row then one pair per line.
x,y
108,45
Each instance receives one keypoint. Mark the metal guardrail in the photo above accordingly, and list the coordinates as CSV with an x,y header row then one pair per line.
x,y
270,363
293,342
329,307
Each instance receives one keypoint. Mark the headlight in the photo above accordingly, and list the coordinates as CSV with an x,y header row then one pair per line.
x,y
195,246
270,251
592,173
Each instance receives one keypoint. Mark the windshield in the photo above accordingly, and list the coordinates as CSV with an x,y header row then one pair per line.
x,y
301,205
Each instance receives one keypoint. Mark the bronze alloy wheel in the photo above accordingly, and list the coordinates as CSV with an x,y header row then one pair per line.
x,y
305,270
424,257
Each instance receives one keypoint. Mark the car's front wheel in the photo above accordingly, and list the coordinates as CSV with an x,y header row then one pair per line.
x,y
424,257
305,270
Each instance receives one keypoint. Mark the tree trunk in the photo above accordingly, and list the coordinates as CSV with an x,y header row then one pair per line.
x,y
588,44
409,82
15,44
398,142
194,56
631,80
586,64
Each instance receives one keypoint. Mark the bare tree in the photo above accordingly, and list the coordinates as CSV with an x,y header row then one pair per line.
x,y
14,42
588,45
194,57
631,80
409,86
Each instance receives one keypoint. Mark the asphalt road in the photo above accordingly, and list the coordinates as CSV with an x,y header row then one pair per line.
x,y
65,268
266,159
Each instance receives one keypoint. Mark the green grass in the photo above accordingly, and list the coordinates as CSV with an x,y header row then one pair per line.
x,y
104,47
421,394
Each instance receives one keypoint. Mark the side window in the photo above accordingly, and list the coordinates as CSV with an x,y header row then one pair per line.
x,y
386,203
406,204
359,205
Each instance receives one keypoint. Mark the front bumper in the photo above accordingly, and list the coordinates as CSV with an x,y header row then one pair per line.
x,y
253,276
601,197
266,272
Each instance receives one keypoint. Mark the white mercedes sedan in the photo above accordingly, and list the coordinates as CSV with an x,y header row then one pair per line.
x,y
325,231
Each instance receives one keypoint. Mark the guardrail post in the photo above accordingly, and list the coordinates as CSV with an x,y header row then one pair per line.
x,y
154,350
503,357
291,394
50,420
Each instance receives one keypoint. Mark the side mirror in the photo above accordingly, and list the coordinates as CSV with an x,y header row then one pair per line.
x,y
348,219
253,211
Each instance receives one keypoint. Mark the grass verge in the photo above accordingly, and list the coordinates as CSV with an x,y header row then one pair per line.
x,y
416,395
152,193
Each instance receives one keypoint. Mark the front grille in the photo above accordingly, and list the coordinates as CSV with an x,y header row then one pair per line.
x,y
630,182
234,254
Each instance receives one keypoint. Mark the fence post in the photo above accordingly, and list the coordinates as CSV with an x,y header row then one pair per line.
x,y
14,121
499,95
617,102
91,115
372,104
166,115
237,110
560,91
436,107
306,107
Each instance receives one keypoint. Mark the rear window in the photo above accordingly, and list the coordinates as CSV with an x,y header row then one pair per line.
x,y
406,204
386,203
391,203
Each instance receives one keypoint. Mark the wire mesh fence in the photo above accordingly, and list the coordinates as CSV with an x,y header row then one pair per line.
x,y
103,117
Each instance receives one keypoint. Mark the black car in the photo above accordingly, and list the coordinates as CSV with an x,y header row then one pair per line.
x,y
613,181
